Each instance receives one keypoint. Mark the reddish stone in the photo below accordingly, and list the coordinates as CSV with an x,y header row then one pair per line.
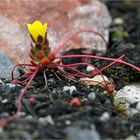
x,y
75,102
33,101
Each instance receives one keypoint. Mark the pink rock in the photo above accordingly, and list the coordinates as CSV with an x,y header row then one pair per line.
x,y
13,40
64,17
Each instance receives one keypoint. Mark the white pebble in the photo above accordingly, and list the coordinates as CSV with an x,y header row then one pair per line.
x,y
118,21
105,116
1,130
50,120
67,122
4,101
131,137
89,69
47,119
91,96
11,85
1,82
29,117
71,89
21,114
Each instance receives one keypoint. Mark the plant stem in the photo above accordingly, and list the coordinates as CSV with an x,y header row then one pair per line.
x,y
55,51
99,57
19,65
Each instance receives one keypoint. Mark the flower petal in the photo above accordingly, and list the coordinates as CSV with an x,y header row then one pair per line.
x,y
36,29
29,26
37,25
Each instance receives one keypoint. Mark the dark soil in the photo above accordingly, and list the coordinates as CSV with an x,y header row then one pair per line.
x,y
34,123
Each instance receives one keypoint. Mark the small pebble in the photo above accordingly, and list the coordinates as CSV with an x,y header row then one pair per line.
x,y
131,137
10,85
47,119
1,82
4,114
1,130
105,116
29,117
108,102
118,21
96,80
91,96
33,100
89,69
21,114
71,89
84,99
67,122
50,120
4,101
79,133
75,102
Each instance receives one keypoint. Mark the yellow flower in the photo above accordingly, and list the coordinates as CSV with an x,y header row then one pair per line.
x,y
37,29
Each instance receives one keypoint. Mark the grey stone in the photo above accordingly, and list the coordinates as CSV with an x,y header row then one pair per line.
x,y
5,65
77,133
91,96
10,87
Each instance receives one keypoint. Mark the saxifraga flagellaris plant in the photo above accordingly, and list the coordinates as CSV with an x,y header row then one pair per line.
x,y
43,58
